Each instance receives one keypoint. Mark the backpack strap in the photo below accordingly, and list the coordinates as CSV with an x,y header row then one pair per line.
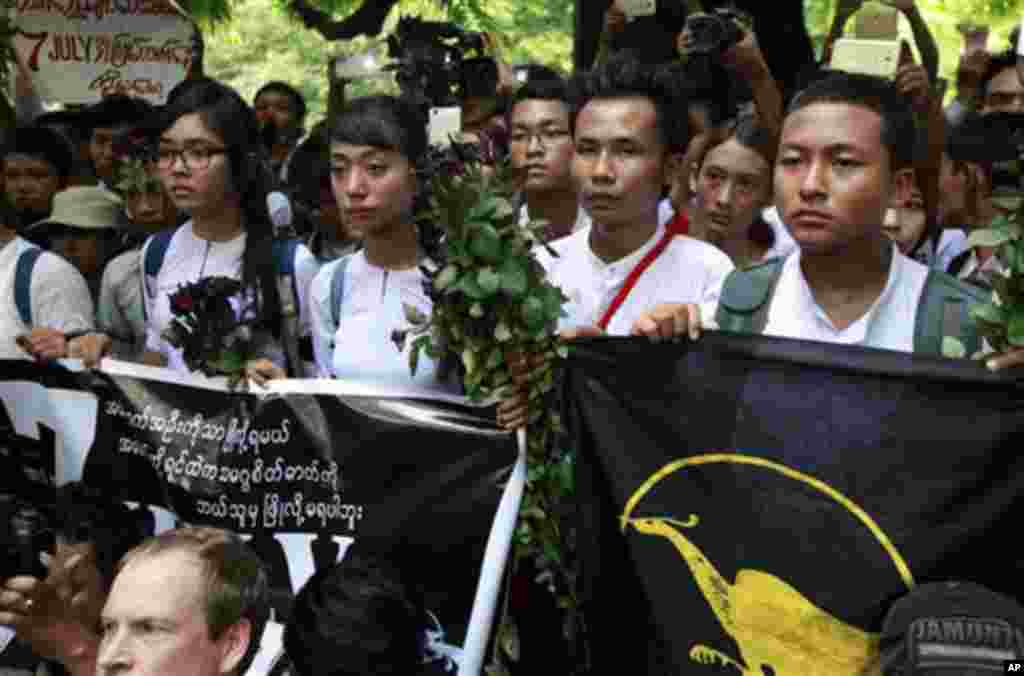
x,y
23,283
153,252
944,311
338,288
744,303
958,263
283,253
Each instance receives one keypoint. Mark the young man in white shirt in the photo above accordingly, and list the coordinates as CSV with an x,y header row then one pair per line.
x,y
541,150
52,303
628,144
846,149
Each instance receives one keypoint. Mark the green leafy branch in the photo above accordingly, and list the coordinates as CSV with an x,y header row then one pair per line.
x,y
1001,321
7,32
491,297
493,305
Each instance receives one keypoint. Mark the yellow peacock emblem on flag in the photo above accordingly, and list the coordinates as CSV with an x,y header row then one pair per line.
x,y
788,636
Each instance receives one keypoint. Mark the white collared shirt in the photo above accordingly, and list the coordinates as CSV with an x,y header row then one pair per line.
x,y
888,324
784,243
687,271
582,217
665,214
359,345
190,258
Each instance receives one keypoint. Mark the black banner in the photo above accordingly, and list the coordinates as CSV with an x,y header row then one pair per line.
x,y
301,471
755,505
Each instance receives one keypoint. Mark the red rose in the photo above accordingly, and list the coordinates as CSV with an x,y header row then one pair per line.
x,y
494,143
182,303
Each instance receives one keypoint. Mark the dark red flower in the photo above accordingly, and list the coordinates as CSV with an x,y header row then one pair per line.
x,y
494,142
131,144
182,303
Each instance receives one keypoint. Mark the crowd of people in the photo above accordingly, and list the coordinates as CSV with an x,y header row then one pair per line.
x,y
675,203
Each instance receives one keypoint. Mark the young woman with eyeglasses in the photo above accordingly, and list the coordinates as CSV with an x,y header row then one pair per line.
x,y
210,161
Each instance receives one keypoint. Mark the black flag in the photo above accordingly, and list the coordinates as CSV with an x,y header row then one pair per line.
x,y
754,505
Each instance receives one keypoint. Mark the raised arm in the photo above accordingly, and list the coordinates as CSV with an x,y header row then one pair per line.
x,y
922,35
746,61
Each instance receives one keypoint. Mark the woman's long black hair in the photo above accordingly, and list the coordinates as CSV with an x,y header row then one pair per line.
x,y
225,113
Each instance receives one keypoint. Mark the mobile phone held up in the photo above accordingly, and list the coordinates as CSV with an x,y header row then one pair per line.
x,y
444,124
881,58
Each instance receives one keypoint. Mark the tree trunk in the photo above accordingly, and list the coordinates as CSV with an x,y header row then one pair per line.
x,y
589,21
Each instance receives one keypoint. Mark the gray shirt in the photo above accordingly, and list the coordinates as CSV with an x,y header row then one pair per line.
x,y
120,313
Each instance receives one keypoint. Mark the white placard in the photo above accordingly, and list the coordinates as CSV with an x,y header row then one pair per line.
x,y
1020,40
78,51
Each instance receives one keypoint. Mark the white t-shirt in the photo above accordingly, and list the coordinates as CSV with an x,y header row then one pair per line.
x,y
888,324
189,258
687,271
58,294
360,346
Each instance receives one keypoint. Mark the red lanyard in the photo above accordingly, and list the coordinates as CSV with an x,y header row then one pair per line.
x,y
679,225
631,280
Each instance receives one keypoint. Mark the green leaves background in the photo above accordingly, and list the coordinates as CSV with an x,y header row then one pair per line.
x,y
1001,321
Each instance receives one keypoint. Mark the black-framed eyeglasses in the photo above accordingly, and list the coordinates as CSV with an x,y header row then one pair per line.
x,y
194,158
546,136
